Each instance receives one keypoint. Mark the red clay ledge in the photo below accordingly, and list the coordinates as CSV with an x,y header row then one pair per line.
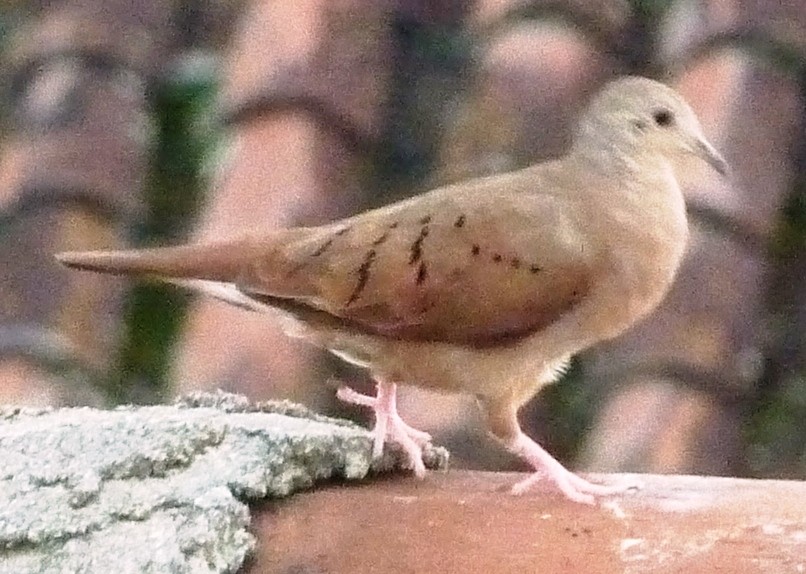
x,y
463,522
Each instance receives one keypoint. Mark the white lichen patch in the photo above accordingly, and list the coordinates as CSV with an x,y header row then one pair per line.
x,y
161,489
662,551
615,508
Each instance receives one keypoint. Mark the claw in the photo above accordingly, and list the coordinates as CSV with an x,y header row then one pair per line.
x,y
389,425
574,487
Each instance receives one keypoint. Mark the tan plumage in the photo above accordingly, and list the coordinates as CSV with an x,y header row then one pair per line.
x,y
487,286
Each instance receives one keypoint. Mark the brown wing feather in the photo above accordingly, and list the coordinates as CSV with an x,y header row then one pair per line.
x,y
465,269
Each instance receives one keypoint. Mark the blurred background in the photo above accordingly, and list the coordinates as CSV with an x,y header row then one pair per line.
x,y
148,122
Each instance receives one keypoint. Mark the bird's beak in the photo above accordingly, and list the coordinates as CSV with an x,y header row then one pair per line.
x,y
706,151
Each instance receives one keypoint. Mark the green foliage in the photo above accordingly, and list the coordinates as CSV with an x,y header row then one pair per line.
x,y
185,138
10,16
651,10
430,71
776,422
570,407
790,239
774,430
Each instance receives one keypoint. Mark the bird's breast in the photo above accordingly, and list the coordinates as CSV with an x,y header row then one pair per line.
x,y
644,245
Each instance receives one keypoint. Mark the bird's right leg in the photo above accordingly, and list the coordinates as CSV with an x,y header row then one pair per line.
x,y
388,424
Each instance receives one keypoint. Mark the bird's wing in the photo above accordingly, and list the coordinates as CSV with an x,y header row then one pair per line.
x,y
490,262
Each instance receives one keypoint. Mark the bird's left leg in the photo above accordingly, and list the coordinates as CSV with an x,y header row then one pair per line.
x,y
503,422
389,425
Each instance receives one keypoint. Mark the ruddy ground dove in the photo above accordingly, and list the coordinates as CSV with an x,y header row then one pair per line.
x,y
485,287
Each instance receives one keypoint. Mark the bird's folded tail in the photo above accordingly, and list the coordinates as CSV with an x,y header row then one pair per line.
x,y
213,261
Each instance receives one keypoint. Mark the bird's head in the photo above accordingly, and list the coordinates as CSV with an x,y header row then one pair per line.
x,y
635,116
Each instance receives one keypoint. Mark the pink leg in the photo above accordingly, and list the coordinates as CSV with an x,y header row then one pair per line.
x,y
572,486
388,424
503,421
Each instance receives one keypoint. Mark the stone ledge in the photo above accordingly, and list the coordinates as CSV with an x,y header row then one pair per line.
x,y
463,522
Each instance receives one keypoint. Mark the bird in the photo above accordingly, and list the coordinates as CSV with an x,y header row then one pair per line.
x,y
485,287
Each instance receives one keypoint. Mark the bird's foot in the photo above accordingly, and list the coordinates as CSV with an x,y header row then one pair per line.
x,y
389,425
547,467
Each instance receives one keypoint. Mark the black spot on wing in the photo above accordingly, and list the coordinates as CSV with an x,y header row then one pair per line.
x,y
322,248
422,273
363,276
416,251
515,262
460,221
381,239
427,306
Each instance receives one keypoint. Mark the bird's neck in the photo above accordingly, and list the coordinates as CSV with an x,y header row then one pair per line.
x,y
624,161
607,158
637,220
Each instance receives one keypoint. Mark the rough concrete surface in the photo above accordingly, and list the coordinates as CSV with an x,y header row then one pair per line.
x,y
162,488
462,522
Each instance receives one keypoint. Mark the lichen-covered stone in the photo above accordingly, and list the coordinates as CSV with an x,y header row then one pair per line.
x,y
161,489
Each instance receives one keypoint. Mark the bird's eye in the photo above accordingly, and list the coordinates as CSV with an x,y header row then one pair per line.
x,y
663,118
